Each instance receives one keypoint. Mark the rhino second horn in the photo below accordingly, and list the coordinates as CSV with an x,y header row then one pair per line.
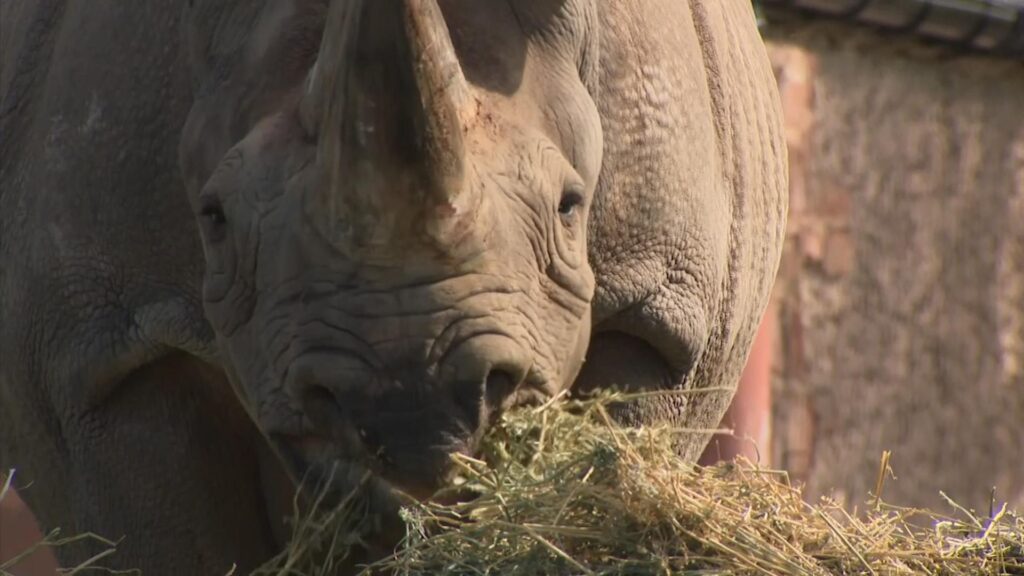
x,y
322,107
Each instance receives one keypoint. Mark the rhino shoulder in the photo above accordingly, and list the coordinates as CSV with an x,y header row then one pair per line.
x,y
687,226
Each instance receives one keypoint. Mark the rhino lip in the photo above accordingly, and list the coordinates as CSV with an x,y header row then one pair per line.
x,y
329,484
306,458
324,484
310,460
319,475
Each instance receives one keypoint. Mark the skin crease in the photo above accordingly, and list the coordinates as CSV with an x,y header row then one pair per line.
x,y
382,337
419,339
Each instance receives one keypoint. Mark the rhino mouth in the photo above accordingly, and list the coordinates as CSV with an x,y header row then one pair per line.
x,y
325,483
402,431
331,479
352,460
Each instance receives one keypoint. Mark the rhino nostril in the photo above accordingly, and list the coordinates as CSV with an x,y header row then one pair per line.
x,y
321,406
330,418
499,387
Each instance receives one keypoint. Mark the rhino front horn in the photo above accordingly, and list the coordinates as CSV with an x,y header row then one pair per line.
x,y
442,89
391,98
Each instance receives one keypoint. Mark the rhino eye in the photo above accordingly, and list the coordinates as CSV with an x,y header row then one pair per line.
x,y
214,221
570,201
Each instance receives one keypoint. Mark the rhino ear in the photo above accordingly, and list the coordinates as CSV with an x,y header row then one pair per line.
x,y
387,93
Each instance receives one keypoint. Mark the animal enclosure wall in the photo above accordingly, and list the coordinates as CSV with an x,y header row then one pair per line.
x,y
901,293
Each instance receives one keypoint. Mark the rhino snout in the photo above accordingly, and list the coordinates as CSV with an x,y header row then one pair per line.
x,y
405,424
484,373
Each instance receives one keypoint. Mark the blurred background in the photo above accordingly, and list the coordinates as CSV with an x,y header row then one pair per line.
x,y
897,321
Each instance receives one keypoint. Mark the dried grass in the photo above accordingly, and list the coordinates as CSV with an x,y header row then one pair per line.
x,y
562,490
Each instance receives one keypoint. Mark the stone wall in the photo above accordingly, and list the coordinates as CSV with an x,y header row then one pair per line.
x,y
901,293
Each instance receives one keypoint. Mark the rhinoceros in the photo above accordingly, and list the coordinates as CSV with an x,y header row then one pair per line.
x,y
243,240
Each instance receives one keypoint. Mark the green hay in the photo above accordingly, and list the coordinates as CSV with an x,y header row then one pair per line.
x,y
562,490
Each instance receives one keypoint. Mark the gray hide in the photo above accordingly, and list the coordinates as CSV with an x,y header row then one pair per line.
x,y
393,254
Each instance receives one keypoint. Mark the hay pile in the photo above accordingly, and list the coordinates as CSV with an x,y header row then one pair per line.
x,y
562,490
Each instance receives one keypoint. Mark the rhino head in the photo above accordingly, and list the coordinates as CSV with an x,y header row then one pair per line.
x,y
396,254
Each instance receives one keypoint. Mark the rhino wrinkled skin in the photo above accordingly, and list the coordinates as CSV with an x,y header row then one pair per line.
x,y
377,225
